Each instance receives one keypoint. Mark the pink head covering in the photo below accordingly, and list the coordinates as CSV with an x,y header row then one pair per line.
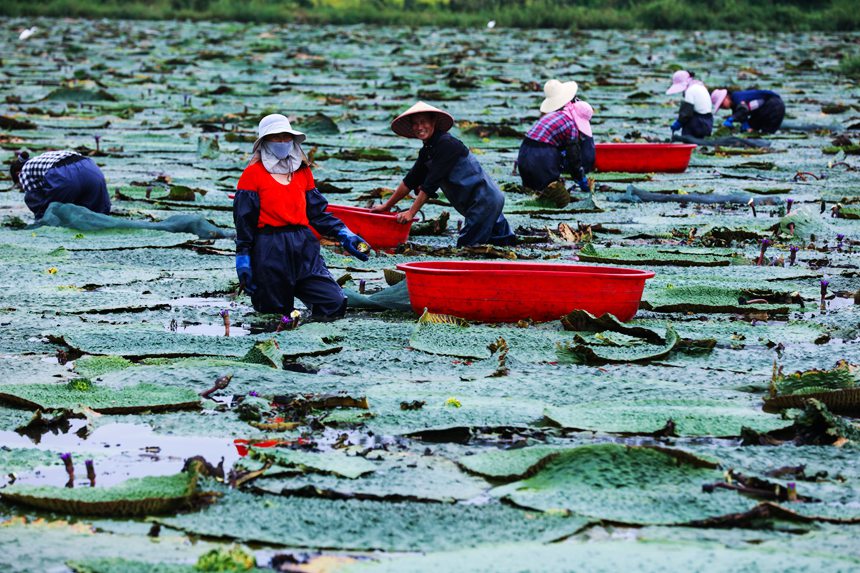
x,y
681,80
582,113
717,97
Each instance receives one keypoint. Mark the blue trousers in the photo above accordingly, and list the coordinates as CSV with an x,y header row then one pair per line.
x,y
539,164
699,126
768,118
80,183
485,223
286,263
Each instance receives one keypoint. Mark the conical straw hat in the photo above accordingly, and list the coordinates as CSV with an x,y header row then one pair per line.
x,y
402,124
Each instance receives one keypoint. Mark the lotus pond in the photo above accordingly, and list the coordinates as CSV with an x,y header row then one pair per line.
x,y
715,431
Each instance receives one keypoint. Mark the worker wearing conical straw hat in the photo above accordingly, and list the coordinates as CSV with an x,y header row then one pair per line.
x,y
560,141
445,163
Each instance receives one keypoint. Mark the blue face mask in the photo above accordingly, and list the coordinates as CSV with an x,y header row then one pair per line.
x,y
281,150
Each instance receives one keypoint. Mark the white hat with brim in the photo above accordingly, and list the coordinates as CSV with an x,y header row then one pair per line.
x,y
402,124
717,97
557,94
680,82
582,113
276,123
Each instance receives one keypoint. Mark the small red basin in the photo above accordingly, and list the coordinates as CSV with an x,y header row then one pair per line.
x,y
489,291
643,157
380,230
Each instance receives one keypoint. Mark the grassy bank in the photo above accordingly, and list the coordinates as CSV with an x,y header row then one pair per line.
x,y
826,15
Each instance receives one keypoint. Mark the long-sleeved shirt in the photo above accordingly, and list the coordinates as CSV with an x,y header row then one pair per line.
x,y
32,175
261,202
555,128
747,101
437,157
697,95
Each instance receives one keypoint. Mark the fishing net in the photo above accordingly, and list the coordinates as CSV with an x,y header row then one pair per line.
x,y
82,219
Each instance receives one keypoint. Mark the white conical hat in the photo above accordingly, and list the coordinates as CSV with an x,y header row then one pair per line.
x,y
557,94
402,124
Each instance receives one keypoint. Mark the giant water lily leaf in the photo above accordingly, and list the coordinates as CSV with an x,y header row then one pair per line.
x,y
120,565
366,525
59,542
635,485
603,349
138,398
151,495
336,462
138,343
657,257
690,417
396,476
705,298
605,556
510,465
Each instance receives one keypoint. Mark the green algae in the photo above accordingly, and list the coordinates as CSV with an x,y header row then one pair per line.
x,y
15,460
95,366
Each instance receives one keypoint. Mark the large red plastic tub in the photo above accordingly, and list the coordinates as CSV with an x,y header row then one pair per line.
x,y
643,157
380,230
489,291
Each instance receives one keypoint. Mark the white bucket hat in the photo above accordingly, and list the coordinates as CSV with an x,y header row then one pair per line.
x,y
717,97
402,124
557,94
680,81
276,123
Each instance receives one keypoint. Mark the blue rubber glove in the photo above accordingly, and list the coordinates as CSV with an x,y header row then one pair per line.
x,y
745,126
243,271
583,185
676,125
350,242
730,123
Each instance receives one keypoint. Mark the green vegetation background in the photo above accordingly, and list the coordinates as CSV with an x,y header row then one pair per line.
x,y
790,15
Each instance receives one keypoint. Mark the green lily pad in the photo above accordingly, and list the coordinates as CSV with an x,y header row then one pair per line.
x,y
139,343
335,462
150,495
620,348
691,417
624,484
369,525
138,398
509,465
396,477
655,257
605,556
